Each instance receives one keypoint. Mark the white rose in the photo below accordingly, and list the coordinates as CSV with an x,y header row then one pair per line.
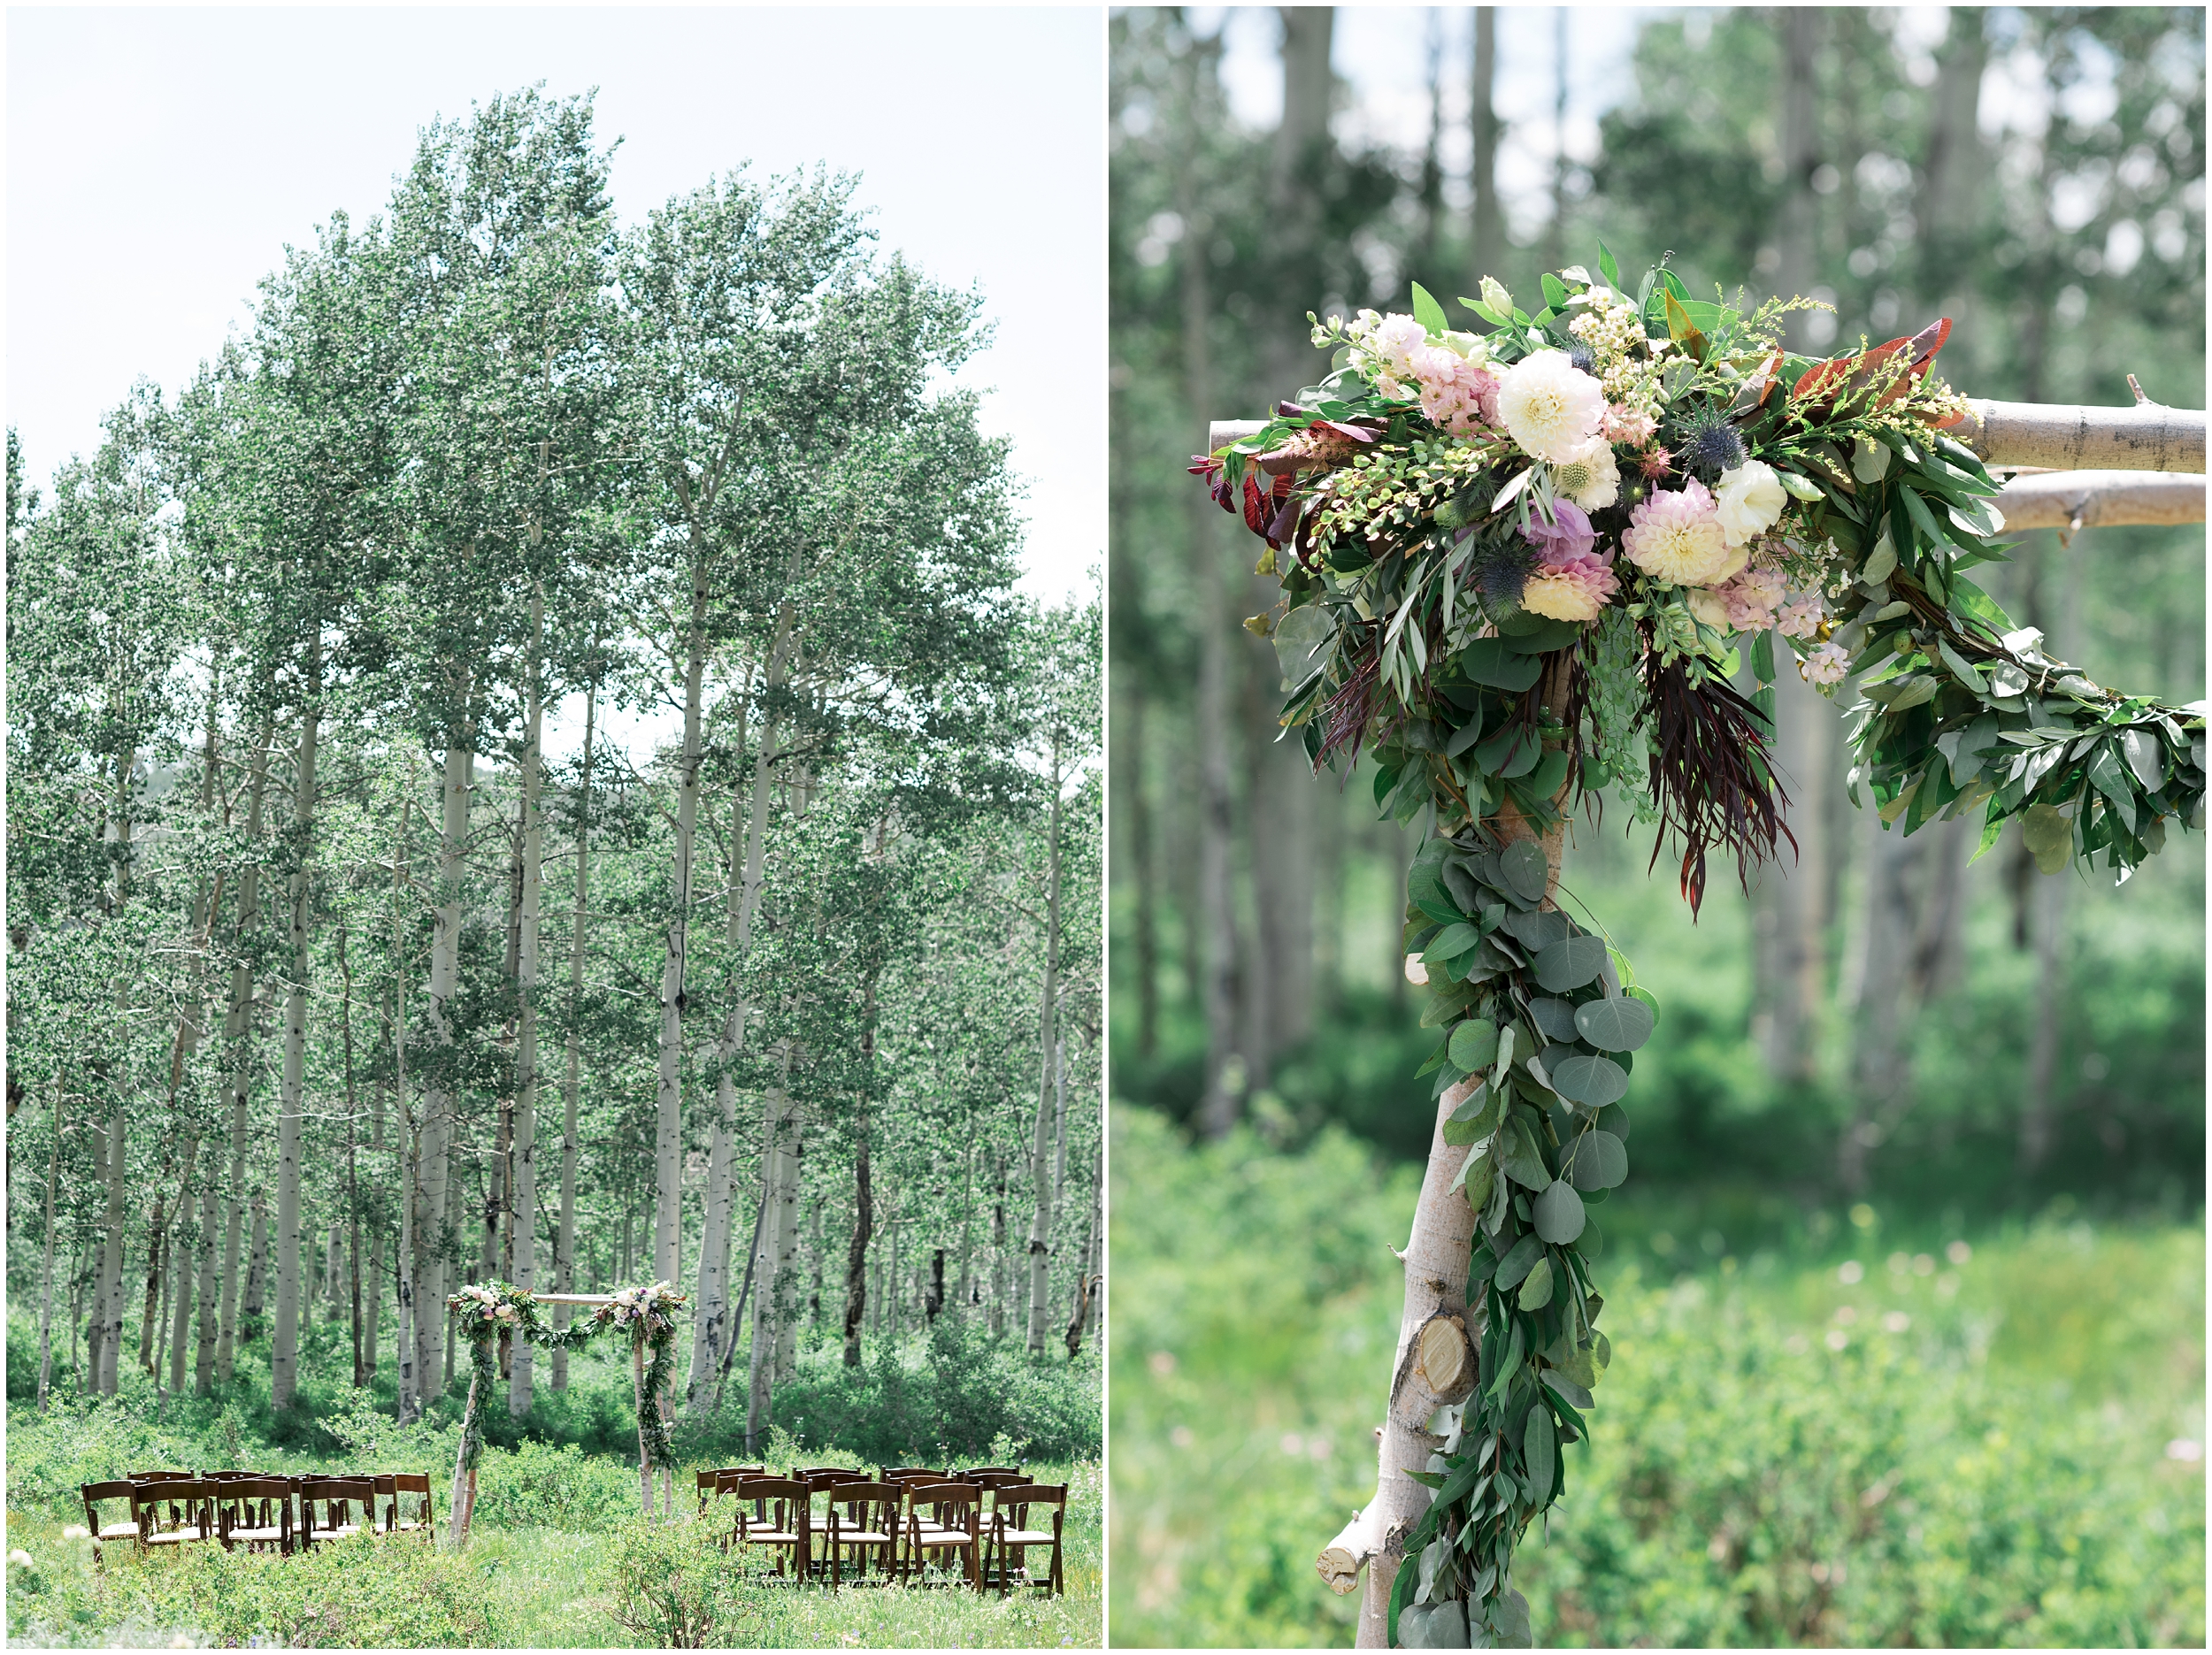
x,y
1750,500
1416,973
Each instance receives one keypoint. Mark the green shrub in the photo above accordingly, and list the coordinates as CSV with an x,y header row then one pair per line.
x,y
540,1486
674,1586
949,1395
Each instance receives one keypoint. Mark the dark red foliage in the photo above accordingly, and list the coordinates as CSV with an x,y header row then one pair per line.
x,y
1711,774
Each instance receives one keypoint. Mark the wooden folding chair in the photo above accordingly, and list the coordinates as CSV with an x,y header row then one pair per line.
x,y
252,1511
408,1483
943,1517
990,1471
785,1505
863,1516
1013,1531
191,1512
337,1496
94,1494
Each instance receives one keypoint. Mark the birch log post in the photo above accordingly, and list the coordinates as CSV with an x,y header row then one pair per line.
x,y
2072,501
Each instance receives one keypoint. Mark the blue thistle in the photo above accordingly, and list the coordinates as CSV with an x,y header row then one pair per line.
x,y
1708,444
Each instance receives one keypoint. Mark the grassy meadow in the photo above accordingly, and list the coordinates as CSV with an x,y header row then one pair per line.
x,y
1819,1427
557,1555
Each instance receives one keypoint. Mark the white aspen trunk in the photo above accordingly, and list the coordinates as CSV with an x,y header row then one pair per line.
x,y
406,1356
1094,1314
438,1101
238,1033
1040,1169
967,1228
292,1109
203,1350
525,1214
998,1246
257,1260
96,1331
183,1234
564,1238
375,1284
112,1258
668,1125
787,1282
46,1268
767,1309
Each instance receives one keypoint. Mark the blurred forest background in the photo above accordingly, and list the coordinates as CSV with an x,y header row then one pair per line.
x,y
1878,1046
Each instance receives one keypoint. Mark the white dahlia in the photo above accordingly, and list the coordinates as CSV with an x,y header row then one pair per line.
x,y
1550,407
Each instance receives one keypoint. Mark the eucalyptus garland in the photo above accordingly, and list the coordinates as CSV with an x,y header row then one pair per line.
x,y
1524,564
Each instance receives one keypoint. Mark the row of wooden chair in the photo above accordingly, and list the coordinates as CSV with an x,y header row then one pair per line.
x,y
895,1525
256,1509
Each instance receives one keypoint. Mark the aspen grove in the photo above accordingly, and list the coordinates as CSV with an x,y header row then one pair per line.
x,y
531,766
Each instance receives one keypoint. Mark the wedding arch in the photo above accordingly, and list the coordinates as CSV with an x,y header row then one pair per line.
x,y
1521,564
493,1310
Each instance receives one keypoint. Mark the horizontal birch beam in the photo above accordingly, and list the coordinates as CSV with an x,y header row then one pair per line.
x,y
2072,501
2150,461
2144,438
572,1299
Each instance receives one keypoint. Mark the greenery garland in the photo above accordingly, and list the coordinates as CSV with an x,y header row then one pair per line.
x,y
1527,563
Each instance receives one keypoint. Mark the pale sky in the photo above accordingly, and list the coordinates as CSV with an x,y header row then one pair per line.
x,y
159,159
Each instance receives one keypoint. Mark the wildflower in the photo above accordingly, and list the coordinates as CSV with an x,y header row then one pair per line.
x,y
1655,464
1457,390
19,1558
1631,427
1751,500
1591,478
1825,665
1751,599
76,1532
1675,536
1550,407
1801,618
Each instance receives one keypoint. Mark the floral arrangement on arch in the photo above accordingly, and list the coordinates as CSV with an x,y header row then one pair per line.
x,y
1524,564
654,1307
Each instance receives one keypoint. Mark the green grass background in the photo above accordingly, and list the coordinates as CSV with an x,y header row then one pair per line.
x,y
1997,1470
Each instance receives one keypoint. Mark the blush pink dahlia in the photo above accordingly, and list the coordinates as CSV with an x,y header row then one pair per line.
x,y
1572,591
1675,536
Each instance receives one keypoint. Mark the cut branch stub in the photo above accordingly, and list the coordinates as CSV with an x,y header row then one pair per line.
x,y
1447,1360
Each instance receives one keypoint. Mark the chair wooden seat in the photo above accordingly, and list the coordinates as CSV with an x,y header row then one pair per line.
x,y
337,1496
1006,1562
864,1523
952,1524
190,1515
786,1531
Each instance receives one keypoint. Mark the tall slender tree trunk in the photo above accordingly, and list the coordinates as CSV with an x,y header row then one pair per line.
x,y
238,1032
292,1113
361,1347
407,1355
998,1245
204,1349
525,1214
1485,240
967,1228
668,1123
856,1257
257,1306
564,1238
779,1172
109,1302
740,904
439,1101
1048,1017
46,1267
